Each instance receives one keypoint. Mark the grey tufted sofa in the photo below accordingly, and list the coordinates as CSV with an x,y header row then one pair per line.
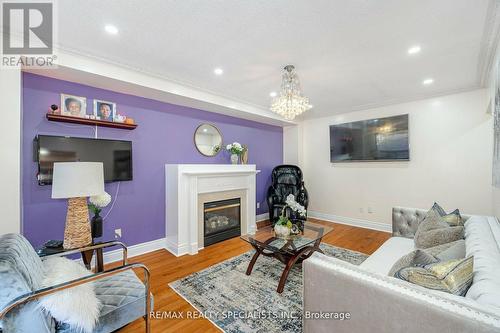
x,y
377,302
123,296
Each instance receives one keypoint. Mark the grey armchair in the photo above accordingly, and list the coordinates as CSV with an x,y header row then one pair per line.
x,y
123,296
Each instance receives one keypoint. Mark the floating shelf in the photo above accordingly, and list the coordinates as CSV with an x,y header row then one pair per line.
x,y
91,122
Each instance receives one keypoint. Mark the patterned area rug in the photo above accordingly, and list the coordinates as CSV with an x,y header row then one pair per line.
x,y
235,302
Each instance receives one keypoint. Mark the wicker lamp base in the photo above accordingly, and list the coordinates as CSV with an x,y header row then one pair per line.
x,y
77,232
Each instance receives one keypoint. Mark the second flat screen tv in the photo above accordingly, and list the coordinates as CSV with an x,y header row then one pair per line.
x,y
381,139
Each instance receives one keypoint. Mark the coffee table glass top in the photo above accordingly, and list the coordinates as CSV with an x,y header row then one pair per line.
x,y
265,237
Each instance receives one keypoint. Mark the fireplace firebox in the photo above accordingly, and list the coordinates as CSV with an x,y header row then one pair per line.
x,y
222,220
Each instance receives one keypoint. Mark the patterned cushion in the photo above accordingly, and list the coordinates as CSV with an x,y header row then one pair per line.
x,y
123,300
433,230
453,219
415,258
453,276
438,209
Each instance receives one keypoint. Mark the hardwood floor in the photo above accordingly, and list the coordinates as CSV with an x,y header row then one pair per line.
x,y
166,268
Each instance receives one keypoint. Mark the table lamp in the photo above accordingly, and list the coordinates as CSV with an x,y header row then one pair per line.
x,y
76,181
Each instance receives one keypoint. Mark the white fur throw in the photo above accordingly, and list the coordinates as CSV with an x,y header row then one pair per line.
x,y
77,306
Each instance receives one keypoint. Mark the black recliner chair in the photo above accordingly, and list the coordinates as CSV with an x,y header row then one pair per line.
x,y
286,179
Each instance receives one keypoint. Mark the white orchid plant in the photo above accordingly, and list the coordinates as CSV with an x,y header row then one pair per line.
x,y
294,206
235,148
98,202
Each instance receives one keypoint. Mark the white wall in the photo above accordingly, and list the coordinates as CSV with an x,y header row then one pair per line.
x,y
492,84
451,141
10,155
291,144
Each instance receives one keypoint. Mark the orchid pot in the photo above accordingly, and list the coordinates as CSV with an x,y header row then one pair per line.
x,y
281,231
283,227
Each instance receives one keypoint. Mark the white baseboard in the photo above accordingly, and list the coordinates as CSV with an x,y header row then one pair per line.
x,y
262,217
162,243
351,221
132,251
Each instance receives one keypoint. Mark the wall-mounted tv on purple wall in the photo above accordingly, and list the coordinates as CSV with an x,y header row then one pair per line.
x,y
381,139
116,155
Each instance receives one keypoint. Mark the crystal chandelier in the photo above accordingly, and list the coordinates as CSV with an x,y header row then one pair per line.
x,y
290,102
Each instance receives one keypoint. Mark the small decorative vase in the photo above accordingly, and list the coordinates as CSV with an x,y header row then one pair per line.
x,y
234,159
244,156
281,231
96,226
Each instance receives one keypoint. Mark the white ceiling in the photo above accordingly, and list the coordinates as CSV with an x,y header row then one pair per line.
x,y
349,54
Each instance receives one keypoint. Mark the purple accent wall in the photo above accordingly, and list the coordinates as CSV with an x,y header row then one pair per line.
x,y
164,135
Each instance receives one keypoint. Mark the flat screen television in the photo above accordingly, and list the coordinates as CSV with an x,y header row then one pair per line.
x,y
116,155
381,139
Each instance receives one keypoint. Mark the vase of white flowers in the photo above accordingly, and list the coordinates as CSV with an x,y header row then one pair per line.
x,y
283,227
97,203
235,149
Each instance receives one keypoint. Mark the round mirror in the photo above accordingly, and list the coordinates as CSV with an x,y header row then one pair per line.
x,y
208,140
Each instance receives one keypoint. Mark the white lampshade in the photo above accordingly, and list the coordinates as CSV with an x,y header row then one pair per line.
x,y
77,179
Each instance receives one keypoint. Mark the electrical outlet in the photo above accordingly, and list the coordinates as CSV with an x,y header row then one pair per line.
x,y
258,205
370,210
361,210
118,233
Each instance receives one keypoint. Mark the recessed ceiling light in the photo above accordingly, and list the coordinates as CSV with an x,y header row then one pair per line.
x,y
111,29
426,82
273,94
218,71
414,49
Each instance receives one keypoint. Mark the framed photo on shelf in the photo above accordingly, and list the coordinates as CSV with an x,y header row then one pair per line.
x,y
104,110
74,106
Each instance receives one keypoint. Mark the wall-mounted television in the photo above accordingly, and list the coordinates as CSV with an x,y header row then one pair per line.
x,y
381,139
116,155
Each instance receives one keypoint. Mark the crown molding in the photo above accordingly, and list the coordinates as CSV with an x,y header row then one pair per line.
x,y
111,75
150,73
396,101
489,44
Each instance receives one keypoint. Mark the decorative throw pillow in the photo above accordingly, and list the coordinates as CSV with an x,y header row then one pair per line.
x,y
77,306
455,251
434,231
452,276
438,209
415,258
453,219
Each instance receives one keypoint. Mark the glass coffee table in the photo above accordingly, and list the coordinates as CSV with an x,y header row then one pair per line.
x,y
291,250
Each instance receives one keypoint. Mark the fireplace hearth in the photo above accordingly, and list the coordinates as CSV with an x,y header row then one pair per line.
x,y
221,220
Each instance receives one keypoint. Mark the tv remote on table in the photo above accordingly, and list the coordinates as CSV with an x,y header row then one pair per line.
x,y
53,244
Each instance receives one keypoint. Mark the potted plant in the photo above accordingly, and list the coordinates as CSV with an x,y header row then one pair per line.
x,y
97,203
235,149
283,227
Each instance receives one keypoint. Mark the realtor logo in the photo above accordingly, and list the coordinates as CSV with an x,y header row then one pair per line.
x,y
28,29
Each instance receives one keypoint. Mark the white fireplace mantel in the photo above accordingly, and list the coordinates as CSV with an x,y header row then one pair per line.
x,y
185,183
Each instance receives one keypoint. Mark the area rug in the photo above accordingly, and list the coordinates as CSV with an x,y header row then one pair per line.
x,y
235,302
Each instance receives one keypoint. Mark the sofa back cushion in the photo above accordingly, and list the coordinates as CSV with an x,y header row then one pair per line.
x,y
482,240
